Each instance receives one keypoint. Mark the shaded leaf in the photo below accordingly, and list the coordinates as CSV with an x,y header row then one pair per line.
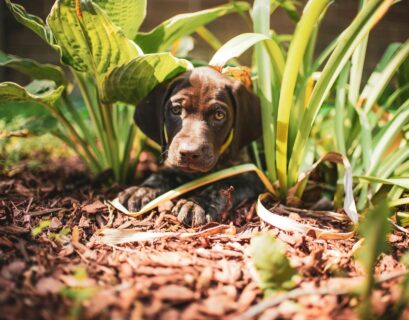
x,y
31,21
374,229
33,68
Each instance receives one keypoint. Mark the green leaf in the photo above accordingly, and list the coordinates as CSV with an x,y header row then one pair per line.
x,y
267,89
374,229
89,42
126,14
43,92
18,116
32,68
273,267
32,22
305,27
385,137
289,6
42,225
161,37
401,181
394,56
133,81
346,44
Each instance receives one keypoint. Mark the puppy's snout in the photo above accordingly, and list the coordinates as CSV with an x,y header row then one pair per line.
x,y
191,152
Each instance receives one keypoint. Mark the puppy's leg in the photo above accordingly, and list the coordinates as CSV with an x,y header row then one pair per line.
x,y
209,204
134,198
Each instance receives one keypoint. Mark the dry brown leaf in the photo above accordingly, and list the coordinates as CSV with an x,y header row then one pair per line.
x,y
94,207
175,293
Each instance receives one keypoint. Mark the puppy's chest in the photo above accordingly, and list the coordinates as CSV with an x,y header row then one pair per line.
x,y
225,162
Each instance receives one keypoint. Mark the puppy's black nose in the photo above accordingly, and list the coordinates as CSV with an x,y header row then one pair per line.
x,y
190,152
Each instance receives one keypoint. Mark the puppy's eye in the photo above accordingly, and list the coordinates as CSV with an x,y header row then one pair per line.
x,y
219,115
176,109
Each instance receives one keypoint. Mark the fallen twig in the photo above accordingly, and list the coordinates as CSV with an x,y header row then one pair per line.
x,y
43,212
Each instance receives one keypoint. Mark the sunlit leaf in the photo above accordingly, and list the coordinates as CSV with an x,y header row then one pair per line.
x,y
44,92
237,45
195,184
162,36
133,81
89,42
401,181
126,14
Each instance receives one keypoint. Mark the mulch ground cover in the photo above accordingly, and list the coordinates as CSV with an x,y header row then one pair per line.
x,y
53,264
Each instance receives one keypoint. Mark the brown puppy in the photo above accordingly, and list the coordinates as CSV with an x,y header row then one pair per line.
x,y
202,119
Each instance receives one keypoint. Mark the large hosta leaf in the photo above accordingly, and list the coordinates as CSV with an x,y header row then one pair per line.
x,y
131,82
88,40
161,37
128,14
40,91
32,68
32,22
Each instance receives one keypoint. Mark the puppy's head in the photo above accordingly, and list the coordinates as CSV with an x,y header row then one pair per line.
x,y
199,116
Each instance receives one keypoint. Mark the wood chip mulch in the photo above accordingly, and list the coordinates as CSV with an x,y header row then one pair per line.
x,y
53,266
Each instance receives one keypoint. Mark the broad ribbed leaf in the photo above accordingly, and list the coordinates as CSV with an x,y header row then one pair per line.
x,y
32,22
126,14
89,41
161,37
131,82
44,92
32,68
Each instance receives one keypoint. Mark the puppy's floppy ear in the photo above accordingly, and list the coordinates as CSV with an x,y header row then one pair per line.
x,y
247,119
149,113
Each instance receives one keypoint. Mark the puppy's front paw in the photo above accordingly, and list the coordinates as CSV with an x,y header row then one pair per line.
x,y
135,198
193,214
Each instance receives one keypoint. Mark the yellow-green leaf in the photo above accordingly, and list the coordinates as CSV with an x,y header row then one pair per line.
x,y
126,14
43,91
161,37
88,40
133,81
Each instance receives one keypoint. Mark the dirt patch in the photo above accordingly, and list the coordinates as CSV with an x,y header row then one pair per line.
x,y
52,264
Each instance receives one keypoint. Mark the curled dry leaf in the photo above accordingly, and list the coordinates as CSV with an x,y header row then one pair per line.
x,y
118,236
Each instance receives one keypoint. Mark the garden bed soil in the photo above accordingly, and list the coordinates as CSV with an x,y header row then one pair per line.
x,y
65,271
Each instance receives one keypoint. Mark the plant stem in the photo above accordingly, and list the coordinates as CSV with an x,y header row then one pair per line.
x,y
111,138
92,106
85,131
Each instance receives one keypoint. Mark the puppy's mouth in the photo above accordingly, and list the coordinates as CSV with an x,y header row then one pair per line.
x,y
191,167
